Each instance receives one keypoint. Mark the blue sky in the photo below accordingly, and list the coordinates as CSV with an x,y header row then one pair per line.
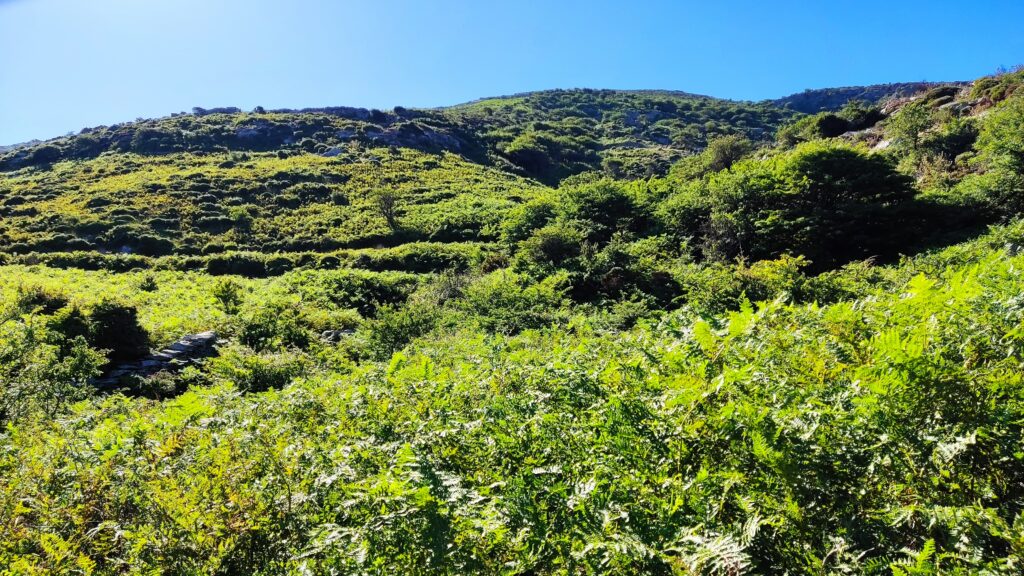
x,y
67,64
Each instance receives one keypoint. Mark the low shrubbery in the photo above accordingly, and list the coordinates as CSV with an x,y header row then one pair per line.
x,y
852,438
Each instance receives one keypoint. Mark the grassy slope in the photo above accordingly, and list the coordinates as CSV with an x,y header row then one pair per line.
x,y
786,437
262,203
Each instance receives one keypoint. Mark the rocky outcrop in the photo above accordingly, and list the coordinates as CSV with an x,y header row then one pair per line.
x,y
832,99
190,349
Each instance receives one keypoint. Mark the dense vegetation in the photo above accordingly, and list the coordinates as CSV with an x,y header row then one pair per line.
x,y
556,333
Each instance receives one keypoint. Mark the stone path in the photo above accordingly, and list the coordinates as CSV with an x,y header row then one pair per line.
x,y
188,350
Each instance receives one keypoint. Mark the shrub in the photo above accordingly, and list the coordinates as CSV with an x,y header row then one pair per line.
x,y
829,202
257,372
821,125
345,289
599,209
114,327
228,294
39,376
273,325
685,213
238,263
508,303
530,152
724,151
44,299
394,328
906,126
68,324
339,198
154,141
551,247
148,283
387,206
999,143
860,115
45,154
150,245
524,219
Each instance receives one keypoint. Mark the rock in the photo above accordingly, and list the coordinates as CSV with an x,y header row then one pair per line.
x,y
958,108
189,349
335,335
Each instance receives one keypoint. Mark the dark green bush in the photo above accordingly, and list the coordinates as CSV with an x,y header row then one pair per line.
x,y
394,328
114,327
599,209
527,217
237,263
508,303
550,247
43,299
45,154
829,202
821,125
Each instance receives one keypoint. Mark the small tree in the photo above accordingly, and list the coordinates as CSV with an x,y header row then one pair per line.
x,y
725,151
908,124
387,204
228,294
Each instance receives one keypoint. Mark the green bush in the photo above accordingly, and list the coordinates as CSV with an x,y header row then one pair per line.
x,y
809,128
237,263
999,143
39,375
599,209
228,294
394,328
351,289
257,372
44,299
508,303
686,212
1000,86
551,247
528,217
114,327
68,324
273,325
831,203
45,154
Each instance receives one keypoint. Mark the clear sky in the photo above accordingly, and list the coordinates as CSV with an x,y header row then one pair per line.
x,y
67,64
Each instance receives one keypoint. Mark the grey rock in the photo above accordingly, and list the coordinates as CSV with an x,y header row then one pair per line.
x,y
335,335
189,349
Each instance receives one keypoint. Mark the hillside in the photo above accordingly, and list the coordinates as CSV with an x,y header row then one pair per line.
x,y
563,332
812,101
574,129
222,180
